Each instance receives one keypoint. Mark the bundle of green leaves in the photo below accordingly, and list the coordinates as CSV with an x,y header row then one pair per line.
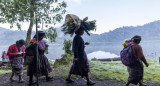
x,y
69,27
89,26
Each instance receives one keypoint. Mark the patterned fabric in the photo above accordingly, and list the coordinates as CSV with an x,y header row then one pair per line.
x,y
135,73
81,66
16,62
12,51
17,65
41,45
127,56
44,66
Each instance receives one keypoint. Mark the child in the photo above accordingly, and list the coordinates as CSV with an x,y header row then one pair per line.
x,y
126,42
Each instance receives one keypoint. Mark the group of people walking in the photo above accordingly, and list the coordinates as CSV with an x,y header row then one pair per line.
x,y
18,51
80,65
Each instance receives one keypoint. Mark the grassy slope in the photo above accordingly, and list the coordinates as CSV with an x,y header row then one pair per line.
x,y
115,71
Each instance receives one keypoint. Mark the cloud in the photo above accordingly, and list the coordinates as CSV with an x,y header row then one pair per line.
x,y
75,1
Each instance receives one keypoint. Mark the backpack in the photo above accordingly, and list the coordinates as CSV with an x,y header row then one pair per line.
x,y
126,55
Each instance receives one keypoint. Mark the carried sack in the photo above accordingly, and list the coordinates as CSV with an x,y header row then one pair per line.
x,y
28,59
127,56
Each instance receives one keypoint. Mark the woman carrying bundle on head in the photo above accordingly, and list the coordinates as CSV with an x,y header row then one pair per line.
x,y
80,64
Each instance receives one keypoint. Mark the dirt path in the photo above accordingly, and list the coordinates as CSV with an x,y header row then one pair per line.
x,y
60,82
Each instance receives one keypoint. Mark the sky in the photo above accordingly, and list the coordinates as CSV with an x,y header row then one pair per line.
x,y
112,14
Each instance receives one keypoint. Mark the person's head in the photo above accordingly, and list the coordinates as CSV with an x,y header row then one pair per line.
x,y
20,43
41,35
80,31
136,39
128,41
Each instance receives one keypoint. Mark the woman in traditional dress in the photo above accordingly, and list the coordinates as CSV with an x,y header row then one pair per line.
x,y
44,66
80,64
16,53
136,71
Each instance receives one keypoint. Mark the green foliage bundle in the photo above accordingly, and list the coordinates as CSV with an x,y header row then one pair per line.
x,y
69,27
90,26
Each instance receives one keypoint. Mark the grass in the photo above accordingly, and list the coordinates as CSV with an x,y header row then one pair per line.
x,y
4,71
115,70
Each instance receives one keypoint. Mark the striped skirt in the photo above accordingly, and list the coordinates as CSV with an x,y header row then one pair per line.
x,y
17,65
135,73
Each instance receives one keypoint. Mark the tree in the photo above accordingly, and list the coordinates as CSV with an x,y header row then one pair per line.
x,y
48,12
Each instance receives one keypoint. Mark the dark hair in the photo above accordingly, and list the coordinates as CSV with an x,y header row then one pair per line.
x,y
40,34
21,42
136,39
79,30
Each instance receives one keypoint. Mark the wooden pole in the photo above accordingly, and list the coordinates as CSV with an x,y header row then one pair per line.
x,y
37,52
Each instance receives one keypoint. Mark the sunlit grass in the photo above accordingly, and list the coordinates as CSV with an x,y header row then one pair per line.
x,y
5,71
115,70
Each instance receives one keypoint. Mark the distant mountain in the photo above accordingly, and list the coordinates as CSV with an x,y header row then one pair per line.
x,y
9,36
150,31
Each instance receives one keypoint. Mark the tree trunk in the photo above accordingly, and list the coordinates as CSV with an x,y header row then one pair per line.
x,y
29,32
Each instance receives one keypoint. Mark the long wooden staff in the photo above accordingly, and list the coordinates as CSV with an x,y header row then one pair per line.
x,y
37,51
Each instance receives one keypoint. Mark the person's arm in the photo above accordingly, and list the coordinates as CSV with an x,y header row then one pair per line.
x,y
141,56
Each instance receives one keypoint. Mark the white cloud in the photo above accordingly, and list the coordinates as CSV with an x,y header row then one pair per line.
x,y
75,1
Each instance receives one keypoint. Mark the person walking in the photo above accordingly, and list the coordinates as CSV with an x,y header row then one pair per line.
x,y
136,71
80,64
16,53
44,66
